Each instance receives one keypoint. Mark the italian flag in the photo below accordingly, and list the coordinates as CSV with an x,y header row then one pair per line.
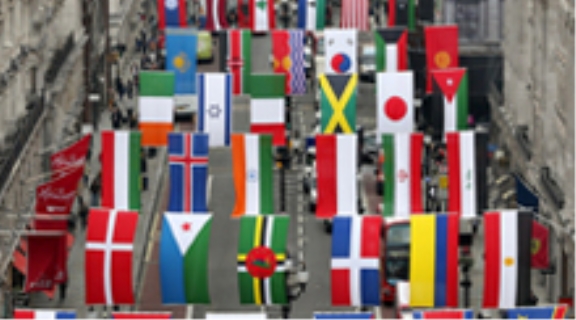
x,y
121,170
402,165
156,105
267,106
452,85
253,178
391,49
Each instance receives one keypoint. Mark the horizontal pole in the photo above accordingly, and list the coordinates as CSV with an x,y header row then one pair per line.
x,y
40,216
5,232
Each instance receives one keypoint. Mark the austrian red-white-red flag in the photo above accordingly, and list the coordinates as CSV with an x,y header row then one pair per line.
x,y
354,15
395,103
216,15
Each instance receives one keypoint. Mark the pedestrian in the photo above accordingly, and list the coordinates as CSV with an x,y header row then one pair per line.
x,y
129,88
83,212
119,87
95,189
62,290
116,118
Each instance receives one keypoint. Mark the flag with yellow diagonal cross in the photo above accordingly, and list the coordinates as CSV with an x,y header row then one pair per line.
x,y
338,103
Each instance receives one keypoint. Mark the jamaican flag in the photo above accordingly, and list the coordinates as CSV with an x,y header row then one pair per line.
x,y
261,259
338,103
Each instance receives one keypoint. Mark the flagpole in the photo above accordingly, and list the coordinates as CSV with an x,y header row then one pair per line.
x,y
190,311
378,312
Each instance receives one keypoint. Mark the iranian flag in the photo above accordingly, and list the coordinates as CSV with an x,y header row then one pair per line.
x,y
395,106
121,170
391,49
262,15
452,86
402,165
267,106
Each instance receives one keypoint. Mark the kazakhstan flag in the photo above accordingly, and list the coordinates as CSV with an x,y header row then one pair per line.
x,y
181,58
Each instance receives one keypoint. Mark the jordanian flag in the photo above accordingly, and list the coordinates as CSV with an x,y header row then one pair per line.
x,y
261,260
121,170
452,86
391,49
267,106
338,103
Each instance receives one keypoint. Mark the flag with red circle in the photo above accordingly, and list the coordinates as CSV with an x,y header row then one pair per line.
x,y
395,102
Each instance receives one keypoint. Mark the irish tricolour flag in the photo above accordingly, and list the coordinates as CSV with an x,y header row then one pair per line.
x,y
156,107
267,106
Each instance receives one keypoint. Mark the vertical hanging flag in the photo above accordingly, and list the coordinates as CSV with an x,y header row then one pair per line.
x,y
141,315
44,314
402,169
262,16
338,103
354,15
267,106
171,13
108,259
402,13
355,261
451,89
70,158
507,259
121,170
395,103
188,158
47,258
391,49
434,260
288,52
340,47
156,105
239,61
543,312
253,178
540,246
181,59
444,314
311,15
215,107
336,170
261,260
441,49
216,15
183,258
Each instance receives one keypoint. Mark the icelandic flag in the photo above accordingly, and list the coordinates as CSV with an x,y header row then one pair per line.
x,y
43,314
344,315
356,260
171,13
188,158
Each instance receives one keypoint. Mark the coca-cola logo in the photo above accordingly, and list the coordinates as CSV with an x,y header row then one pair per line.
x,y
63,161
50,193
42,283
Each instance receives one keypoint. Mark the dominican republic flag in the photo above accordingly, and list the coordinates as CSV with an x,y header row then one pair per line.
x,y
545,312
441,49
216,15
141,315
181,48
451,98
344,315
184,258
402,13
467,162
288,53
171,13
395,103
354,15
444,314
188,158
434,260
215,107
356,261
156,107
108,259
311,15
121,170
507,259
262,16
236,55
402,169
340,47
336,169
252,164
44,314
391,49
267,106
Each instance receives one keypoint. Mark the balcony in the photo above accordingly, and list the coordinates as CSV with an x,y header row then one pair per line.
x,y
58,59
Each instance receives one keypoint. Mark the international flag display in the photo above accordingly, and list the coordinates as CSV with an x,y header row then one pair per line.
x,y
434,260
338,95
183,258
70,158
340,47
262,258
507,259
44,314
444,314
354,15
288,53
188,162
344,315
544,312
121,170
216,15
355,265
262,16
336,173
253,178
391,49
311,15
156,107
441,49
47,260
402,13
171,13
402,169
239,61
452,86
108,257
141,315
267,107
395,103
540,246
215,107
181,59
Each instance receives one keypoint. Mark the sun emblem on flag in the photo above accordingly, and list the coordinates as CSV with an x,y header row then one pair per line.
x,y
508,261
171,4
535,245
442,59
261,262
402,175
181,62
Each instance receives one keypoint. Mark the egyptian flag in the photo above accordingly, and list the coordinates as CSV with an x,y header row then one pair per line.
x,y
171,13
507,259
441,49
216,15
391,49
395,102
262,15
236,58
402,13
450,99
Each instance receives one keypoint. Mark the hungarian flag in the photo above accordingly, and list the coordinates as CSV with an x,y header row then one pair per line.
x,y
395,103
451,90
402,13
171,13
341,49
108,259
183,258
47,258
261,260
540,246
391,49
441,49
239,59
467,162
156,107
216,15
354,15
267,106
402,169
253,178
311,15
507,259
121,170
215,107
71,157
543,312
262,16
444,314
288,52
338,103
141,315
434,260
336,169
44,314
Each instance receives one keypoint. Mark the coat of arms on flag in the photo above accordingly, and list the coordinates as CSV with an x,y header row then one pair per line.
x,y
338,103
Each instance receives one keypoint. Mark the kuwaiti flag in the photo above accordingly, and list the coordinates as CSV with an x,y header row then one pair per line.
x,y
44,314
262,16
395,103
215,107
171,13
355,261
391,49
344,315
340,47
184,249
434,260
253,178
507,258
541,312
336,169
444,314
451,88
311,15
156,107
121,170
267,106
402,170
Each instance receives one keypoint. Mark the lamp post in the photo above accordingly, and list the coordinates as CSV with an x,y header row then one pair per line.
x,y
94,98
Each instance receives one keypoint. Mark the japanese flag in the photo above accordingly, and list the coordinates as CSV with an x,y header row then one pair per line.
x,y
395,103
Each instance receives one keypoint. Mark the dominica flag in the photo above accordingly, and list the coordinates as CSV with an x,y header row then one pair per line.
x,y
451,91
183,258
44,314
544,312
338,103
121,170
261,259
237,52
311,15
262,15
434,260
402,13
267,106
340,46
391,49
156,107
444,314
253,178
395,102
402,169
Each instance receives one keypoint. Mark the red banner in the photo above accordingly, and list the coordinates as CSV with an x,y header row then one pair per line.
x,y
72,157
441,49
539,245
46,262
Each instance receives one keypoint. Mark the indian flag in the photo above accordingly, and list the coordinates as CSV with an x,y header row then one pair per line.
x,y
156,106
452,85
121,170
253,178
267,106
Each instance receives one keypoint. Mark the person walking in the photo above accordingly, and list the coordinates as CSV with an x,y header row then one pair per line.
x,y
116,118
62,290
119,88
129,89
95,189
83,212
